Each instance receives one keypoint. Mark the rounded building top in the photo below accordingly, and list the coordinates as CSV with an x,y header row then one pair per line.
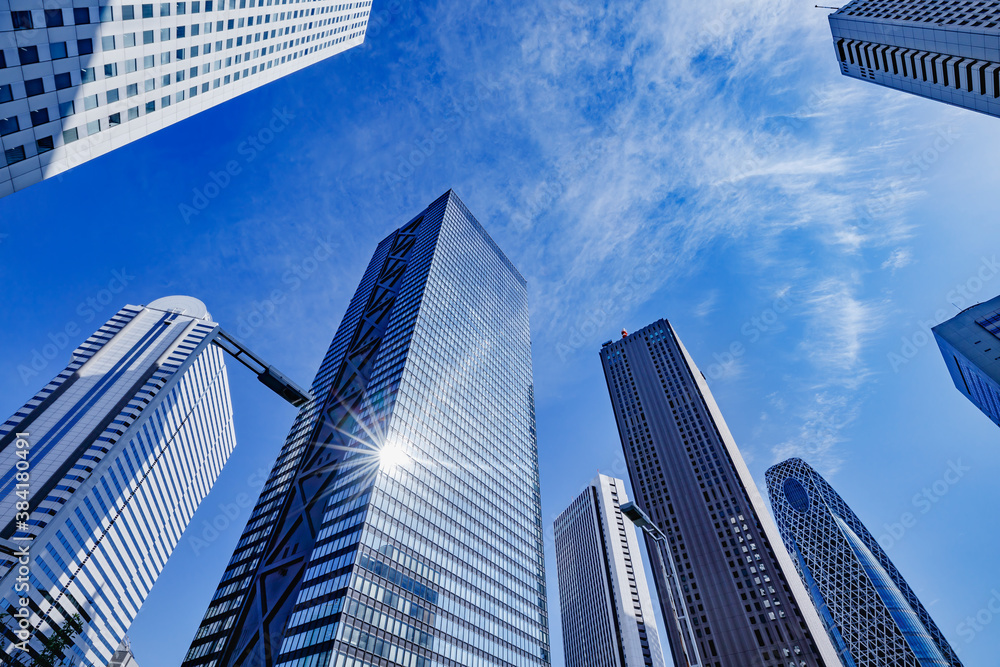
x,y
184,305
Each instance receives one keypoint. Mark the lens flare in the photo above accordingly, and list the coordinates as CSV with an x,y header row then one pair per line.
x,y
392,456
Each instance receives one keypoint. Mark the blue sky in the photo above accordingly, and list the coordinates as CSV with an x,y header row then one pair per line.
x,y
703,162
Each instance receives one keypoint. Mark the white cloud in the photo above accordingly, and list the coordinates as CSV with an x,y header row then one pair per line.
x,y
897,259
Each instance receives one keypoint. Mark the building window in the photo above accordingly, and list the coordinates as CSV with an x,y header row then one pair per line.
x,y
181,8
133,113
110,70
45,144
63,81
132,90
108,43
164,9
22,20
93,127
66,109
87,75
6,93
85,46
81,15
14,155
34,87
128,12
9,126
69,136
150,106
28,54
53,18
150,85
114,119
3,60
57,50
129,39
112,95
90,102
39,117
107,14
147,36
164,34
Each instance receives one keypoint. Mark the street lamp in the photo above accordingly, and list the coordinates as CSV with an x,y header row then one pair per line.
x,y
670,580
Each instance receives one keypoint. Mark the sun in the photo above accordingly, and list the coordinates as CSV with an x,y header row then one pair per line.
x,y
391,457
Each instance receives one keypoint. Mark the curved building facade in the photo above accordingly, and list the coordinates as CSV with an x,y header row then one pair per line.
x,y
871,614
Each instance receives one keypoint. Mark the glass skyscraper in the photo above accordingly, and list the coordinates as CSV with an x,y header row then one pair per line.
x,y
970,345
101,471
736,599
401,523
607,612
81,78
872,615
946,50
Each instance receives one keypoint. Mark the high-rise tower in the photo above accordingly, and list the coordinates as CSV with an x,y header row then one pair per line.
x,y
401,522
948,50
80,78
872,615
737,597
970,345
607,612
101,471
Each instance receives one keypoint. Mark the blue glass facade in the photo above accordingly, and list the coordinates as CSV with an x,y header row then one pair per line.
x,y
970,346
872,615
402,521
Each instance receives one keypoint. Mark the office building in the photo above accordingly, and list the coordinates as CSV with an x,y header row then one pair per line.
x,y
112,457
80,79
123,656
401,523
607,612
872,615
947,50
970,345
738,599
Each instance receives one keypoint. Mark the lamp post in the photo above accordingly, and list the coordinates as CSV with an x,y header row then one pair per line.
x,y
685,632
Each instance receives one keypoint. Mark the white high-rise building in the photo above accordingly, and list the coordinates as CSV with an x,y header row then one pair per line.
x,y
101,472
78,81
607,611
945,50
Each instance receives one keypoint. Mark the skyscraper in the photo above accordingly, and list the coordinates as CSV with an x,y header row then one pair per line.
x,y
401,522
101,471
79,80
607,613
970,345
739,600
948,50
872,615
